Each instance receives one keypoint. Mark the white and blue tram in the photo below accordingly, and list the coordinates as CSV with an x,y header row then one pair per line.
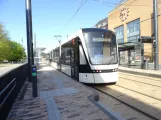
x,y
90,56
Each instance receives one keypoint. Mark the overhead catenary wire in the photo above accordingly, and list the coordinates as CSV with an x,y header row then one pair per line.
x,y
148,19
103,2
81,5
118,6
106,3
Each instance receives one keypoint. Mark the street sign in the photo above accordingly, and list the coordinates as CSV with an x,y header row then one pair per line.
x,y
146,39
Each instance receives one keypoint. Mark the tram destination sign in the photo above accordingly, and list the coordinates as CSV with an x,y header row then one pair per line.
x,y
102,39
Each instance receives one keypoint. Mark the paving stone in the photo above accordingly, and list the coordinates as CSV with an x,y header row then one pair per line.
x,y
59,97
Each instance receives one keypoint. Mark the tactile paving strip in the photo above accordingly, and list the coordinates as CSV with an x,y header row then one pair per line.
x,y
48,96
58,92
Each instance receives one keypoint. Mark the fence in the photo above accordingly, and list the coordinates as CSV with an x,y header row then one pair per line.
x,y
10,86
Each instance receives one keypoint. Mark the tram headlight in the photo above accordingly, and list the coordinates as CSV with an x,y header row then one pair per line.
x,y
115,70
97,71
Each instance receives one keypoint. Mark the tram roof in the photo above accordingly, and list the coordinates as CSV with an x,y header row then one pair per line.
x,y
96,29
80,30
85,30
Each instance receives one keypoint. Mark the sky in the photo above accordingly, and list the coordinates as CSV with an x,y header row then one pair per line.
x,y
49,17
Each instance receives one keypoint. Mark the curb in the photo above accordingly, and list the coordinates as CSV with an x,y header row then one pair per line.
x,y
112,115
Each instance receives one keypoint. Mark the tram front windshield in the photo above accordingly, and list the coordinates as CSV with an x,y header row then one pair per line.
x,y
101,47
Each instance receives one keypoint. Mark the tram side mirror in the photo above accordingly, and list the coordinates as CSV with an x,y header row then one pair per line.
x,y
79,41
113,53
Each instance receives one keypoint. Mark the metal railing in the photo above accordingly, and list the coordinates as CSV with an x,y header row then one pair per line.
x,y
10,85
10,91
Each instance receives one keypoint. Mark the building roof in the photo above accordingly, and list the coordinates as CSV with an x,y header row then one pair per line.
x,y
40,48
119,5
102,23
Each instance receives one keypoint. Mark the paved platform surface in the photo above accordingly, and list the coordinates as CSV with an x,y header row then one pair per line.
x,y
60,98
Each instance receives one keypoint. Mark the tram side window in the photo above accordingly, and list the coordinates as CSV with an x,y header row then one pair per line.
x,y
63,56
66,53
56,56
67,57
53,56
50,56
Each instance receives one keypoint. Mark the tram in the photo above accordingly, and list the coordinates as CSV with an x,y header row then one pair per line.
x,y
90,56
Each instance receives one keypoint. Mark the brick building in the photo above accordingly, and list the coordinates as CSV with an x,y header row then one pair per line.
x,y
130,20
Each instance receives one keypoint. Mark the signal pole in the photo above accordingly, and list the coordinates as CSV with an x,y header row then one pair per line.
x,y
32,71
155,42
35,41
29,37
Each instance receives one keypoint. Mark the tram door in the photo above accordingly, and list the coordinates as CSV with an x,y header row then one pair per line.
x,y
75,59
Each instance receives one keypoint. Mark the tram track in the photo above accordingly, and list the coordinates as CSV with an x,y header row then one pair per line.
x,y
147,90
139,76
139,82
127,104
138,92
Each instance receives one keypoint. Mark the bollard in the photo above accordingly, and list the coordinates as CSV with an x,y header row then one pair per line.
x,y
34,81
145,65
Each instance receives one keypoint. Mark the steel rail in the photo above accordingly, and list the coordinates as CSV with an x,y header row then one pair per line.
x,y
136,109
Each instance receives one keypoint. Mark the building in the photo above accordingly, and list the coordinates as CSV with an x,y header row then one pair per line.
x,y
102,24
38,54
130,20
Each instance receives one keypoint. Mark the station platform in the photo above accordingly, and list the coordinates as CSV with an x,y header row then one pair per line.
x,y
143,72
59,98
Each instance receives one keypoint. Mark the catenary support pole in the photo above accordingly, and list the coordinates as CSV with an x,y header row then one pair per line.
x,y
155,44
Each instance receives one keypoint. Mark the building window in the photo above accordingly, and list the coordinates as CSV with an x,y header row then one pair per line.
x,y
133,30
120,34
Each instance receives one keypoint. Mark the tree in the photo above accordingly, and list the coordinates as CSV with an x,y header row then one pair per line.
x,y
4,44
4,50
3,33
17,51
10,50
